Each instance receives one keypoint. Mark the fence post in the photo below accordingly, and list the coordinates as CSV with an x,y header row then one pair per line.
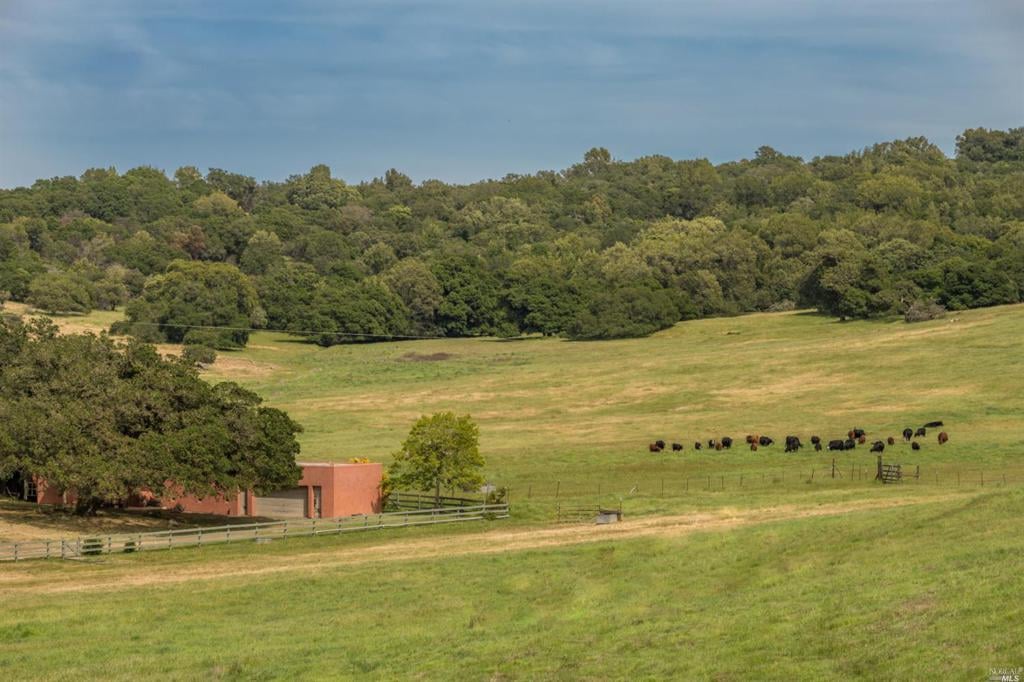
x,y
833,467
15,551
47,549
529,491
62,552
200,537
663,487
982,478
558,488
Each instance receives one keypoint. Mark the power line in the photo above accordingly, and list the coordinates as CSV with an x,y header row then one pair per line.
x,y
300,332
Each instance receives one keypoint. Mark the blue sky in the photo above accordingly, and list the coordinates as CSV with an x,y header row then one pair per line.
x,y
467,89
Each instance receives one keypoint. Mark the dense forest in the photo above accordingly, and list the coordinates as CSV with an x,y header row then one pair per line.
x,y
603,249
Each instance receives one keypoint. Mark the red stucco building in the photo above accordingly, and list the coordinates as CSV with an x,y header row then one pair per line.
x,y
326,490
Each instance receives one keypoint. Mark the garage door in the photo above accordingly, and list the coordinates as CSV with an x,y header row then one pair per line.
x,y
285,504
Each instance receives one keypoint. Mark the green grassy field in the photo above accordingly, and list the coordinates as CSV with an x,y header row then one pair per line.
x,y
776,570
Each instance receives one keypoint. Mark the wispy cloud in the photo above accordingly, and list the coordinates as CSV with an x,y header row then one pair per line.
x,y
467,88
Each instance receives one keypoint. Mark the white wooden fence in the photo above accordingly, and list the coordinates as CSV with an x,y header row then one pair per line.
x,y
248,532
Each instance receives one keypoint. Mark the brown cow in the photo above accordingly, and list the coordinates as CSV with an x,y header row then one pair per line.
x,y
653,447
943,437
753,446
890,440
862,439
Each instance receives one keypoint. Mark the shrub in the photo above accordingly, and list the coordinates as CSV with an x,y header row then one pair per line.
x,y
922,311
199,355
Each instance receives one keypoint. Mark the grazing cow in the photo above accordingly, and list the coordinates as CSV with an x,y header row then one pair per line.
x,y
660,444
765,441
915,445
908,434
943,437
850,434
850,444
815,440
878,446
793,443
921,432
677,447
726,442
836,445
712,444
933,425
751,439
859,433
718,446
696,445
653,447
890,440
817,446
753,446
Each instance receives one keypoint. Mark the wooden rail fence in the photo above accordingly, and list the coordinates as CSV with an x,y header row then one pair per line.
x,y
250,532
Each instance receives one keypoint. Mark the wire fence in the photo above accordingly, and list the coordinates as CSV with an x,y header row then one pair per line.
x,y
96,545
835,474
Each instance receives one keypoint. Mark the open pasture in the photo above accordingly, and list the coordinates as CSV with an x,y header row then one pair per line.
x,y
584,413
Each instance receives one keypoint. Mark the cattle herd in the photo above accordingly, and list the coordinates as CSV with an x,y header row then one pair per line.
x,y
854,437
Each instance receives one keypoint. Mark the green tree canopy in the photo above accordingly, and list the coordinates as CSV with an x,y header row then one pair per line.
x,y
441,452
102,420
196,294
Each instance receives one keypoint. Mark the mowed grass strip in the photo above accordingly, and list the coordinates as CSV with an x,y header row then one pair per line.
x,y
901,593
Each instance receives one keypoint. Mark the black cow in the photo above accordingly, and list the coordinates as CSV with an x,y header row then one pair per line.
x,y
696,445
677,447
726,442
915,445
908,434
836,445
817,446
850,444
765,441
933,425
793,443
858,433
921,432
660,444
878,446
815,440
712,443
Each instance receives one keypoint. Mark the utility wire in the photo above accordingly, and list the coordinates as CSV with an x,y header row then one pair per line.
x,y
299,332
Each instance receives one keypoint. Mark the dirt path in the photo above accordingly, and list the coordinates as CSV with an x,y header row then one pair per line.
x,y
126,575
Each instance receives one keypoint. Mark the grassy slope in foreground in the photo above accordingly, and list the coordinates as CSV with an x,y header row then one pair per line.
x,y
923,591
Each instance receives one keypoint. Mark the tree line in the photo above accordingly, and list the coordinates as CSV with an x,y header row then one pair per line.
x,y
602,249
